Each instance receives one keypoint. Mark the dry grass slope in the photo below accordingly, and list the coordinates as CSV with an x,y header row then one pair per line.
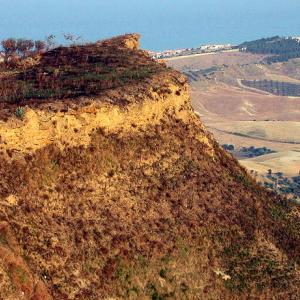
x,y
152,210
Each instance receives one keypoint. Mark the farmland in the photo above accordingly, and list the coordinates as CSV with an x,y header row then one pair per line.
x,y
248,103
279,88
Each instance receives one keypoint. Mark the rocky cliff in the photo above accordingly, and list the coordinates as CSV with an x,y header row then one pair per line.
x,y
111,188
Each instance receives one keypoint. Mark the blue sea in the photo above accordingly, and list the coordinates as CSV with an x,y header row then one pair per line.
x,y
164,24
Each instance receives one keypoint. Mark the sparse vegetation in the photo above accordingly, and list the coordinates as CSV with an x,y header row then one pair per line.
x,y
244,267
74,71
3,239
244,179
283,185
247,152
21,274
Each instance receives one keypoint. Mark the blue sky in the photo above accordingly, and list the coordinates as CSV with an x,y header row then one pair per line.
x,y
163,23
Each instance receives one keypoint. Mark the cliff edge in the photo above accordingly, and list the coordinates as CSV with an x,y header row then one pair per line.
x,y
111,188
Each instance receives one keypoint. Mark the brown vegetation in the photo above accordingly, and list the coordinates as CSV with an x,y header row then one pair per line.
x,y
68,72
153,209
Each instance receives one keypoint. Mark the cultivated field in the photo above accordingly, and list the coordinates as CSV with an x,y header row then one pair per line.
x,y
274,131
221,102
287,162
243,116
213,59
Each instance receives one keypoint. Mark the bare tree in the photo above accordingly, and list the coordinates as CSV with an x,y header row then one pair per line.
x,y
73,39
50,42
24,47
9,46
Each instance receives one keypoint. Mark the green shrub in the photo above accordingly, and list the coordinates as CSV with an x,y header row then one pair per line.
x,y
20,113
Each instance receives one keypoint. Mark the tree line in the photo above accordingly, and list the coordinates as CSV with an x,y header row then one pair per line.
x,y
281,48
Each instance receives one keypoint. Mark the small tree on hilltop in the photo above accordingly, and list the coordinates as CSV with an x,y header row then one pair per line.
x,y
9,47
24,47
50,42
73,39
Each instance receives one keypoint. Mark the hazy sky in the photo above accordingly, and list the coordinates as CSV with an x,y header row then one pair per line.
x,y
163,23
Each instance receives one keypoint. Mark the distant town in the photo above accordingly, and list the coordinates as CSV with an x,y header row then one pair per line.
x,y
192,51
200,50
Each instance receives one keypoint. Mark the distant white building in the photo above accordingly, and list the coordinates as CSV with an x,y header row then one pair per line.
x,y
296,38
168,53
215,47
190,51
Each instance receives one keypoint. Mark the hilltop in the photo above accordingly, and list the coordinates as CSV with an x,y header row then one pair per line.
x,y
112,188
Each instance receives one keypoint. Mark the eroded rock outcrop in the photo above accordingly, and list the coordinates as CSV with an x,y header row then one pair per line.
x,y
130,41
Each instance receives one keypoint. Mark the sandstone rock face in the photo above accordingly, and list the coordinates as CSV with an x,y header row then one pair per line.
x,y
41,128
121,193
130,41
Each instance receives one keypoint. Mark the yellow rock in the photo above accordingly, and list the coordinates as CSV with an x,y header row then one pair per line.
x,y
11,200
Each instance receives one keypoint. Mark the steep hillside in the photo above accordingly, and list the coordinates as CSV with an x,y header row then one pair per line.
x,y
121,193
